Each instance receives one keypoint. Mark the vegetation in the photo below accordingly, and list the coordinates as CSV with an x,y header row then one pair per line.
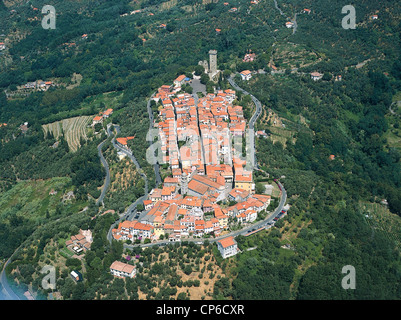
x,y
124,59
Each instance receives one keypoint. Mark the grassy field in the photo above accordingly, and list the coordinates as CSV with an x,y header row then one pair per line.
x,y
73,129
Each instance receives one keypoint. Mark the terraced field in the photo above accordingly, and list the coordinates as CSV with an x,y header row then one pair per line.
x,y
379,217
73,129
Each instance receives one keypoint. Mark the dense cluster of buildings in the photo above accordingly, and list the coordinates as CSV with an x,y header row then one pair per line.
x,y
196,142
190,216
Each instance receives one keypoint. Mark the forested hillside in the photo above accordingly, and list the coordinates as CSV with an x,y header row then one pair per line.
x,y
335,143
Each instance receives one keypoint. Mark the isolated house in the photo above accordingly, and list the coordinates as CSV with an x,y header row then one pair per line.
x,y
289,24
107,113
315,76
246,75
97,119
123,142
228,247
122,270
76,275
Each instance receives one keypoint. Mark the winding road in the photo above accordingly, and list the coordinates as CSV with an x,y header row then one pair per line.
x,y
277,7
106,166
131,211
294,21
252,121
6,293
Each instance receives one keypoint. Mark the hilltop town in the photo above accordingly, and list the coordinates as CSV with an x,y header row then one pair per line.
x,y
210,185
137,169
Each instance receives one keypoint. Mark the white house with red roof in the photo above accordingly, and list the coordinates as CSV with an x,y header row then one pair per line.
x,y
180,80
315,76
97,119
122,270
228,247
246,75
107,113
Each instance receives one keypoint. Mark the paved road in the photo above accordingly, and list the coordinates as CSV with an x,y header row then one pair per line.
x,y
133,159
6,293
106,166
295,24
151,121
252,121
131,211
276,5
196,100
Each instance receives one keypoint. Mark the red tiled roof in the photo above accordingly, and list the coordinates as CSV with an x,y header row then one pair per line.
x,y
122,267
181,77
226,242
108,112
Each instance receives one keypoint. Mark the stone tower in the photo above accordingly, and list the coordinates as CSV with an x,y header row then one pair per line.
x,y
184,183
213,62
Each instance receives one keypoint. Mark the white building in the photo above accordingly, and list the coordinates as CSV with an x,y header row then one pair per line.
x,y
228,247
122,270
289,24
246,75
180,80
316,76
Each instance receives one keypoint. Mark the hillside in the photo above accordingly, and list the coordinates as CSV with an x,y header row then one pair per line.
x,y
334,143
